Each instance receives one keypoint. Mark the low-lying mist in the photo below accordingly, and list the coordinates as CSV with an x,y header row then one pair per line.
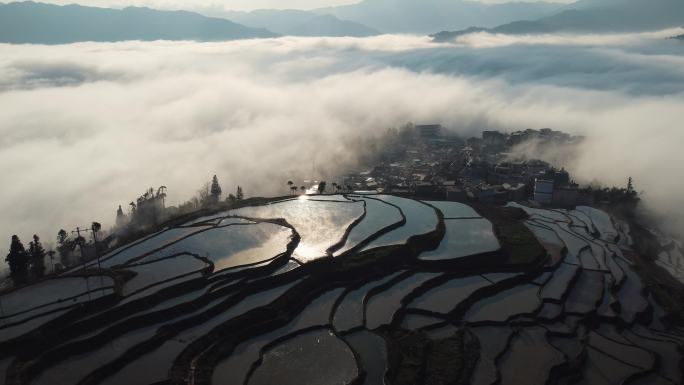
x,y
86,127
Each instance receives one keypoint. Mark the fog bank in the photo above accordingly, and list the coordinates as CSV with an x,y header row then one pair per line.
x,y
86,127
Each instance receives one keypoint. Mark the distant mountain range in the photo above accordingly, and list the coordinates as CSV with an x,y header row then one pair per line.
x,y
29,22
300,23
428,16
593,16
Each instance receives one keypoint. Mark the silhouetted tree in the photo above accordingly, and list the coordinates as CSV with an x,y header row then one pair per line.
x,y
293,190
321,187
290,183
231,198
65,247
120,218
215,190
95,227
37,253
303,188
51,254
62,236
18,261
239,194
148,209
204,195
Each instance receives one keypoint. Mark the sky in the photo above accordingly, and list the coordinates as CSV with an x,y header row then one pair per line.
x,y
236,5
86,127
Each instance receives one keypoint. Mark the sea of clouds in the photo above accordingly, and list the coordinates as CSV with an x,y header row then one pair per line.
x,y
86,127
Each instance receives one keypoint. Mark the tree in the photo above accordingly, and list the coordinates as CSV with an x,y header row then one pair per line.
x,y
18,261
293,190
51,254
37,254
65,247
630,185
204,195
321,187
239,194
334,185
215,190
303,188
290,183
231,198
120,218
62,236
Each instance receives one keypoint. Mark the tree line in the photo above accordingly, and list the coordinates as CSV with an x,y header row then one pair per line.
x,y
146,212
26,264
321,188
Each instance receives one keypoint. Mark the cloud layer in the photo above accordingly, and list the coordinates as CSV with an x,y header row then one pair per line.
x,y
86,127
485,39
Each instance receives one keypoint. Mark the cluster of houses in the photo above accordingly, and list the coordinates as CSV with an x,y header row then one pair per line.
x,y
430,163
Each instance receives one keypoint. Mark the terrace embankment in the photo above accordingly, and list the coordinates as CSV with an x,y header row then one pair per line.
x,y
417,292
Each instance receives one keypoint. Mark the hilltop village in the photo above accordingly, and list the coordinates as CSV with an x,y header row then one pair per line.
x,y
424,161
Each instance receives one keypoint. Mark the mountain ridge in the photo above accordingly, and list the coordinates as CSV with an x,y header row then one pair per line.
x,y
39,23
428,16
299,23
615,16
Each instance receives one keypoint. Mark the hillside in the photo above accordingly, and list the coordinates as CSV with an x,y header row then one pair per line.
x,y
384,288
37,23
594,17
300,23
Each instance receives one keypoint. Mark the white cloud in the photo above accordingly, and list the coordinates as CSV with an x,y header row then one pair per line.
x,y
86,127
488,40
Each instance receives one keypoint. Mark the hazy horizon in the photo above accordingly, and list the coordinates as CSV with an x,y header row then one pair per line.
x,y
241,5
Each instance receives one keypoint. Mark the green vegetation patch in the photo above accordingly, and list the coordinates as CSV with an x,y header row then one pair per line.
x,y
518,243
667,291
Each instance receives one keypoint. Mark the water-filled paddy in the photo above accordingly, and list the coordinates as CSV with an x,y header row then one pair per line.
x,y
445,297
420,219
454,209
464,237
321,224
316,358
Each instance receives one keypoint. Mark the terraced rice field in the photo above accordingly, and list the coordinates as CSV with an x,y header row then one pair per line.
x,y
329,290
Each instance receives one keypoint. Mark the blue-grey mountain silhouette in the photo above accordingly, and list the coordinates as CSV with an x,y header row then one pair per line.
x,y
594,17
29,22
300,23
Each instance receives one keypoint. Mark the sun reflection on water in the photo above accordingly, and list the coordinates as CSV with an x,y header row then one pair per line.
x,y
320,224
